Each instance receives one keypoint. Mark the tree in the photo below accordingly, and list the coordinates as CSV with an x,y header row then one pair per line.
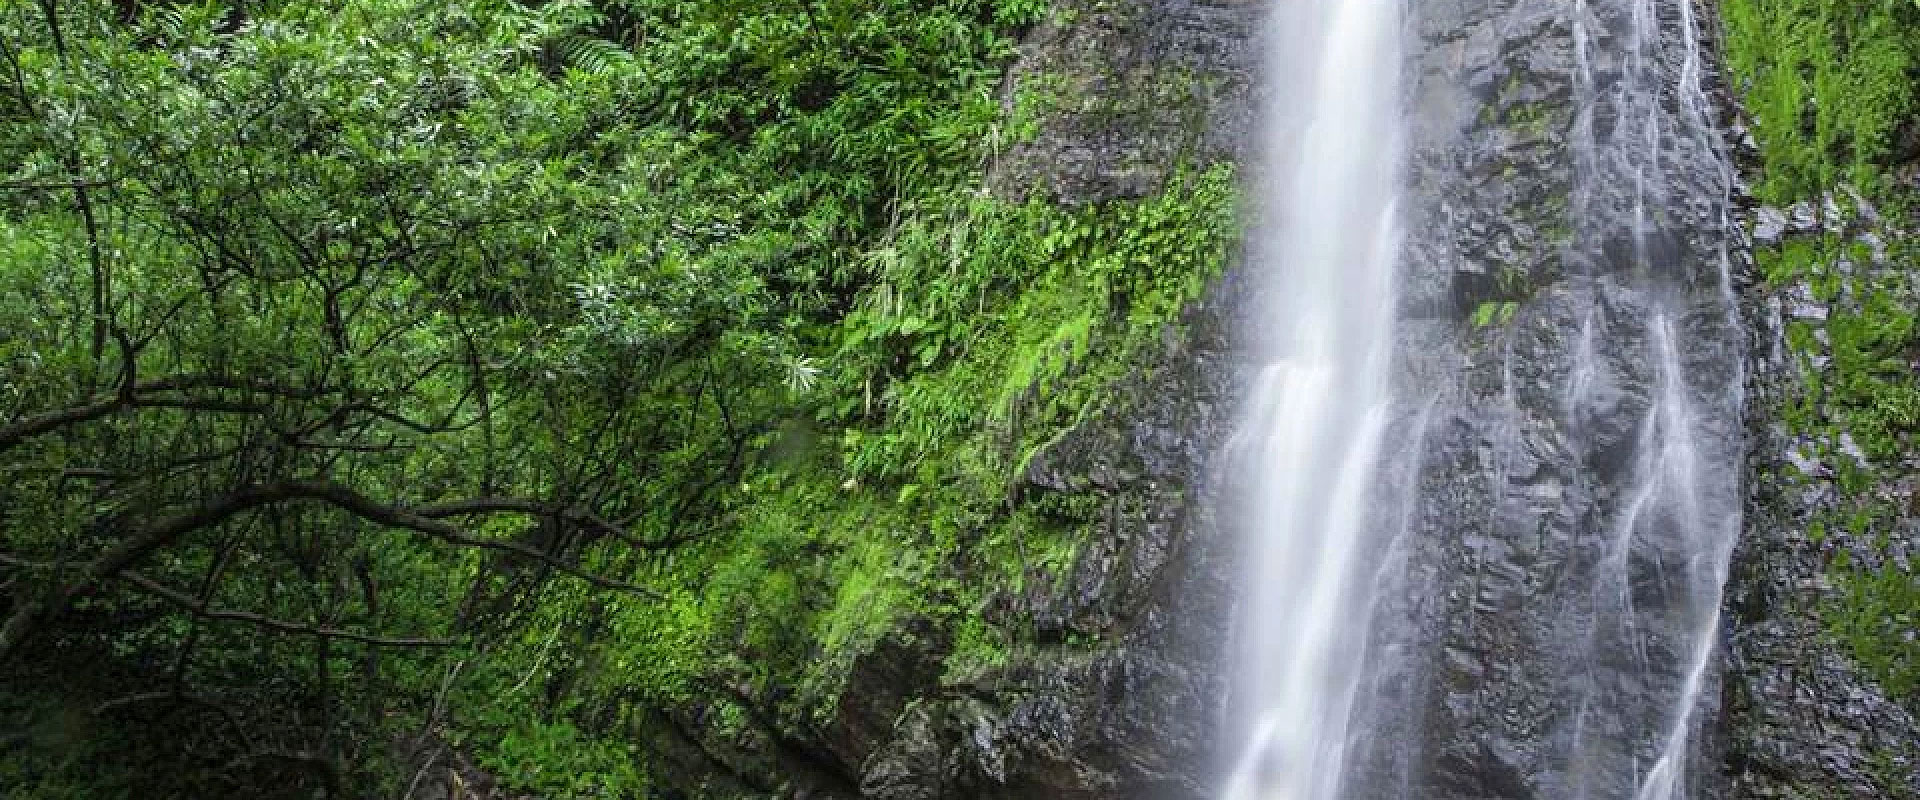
x,y
309,311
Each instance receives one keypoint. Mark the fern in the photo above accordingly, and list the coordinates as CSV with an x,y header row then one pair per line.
x,y
589,54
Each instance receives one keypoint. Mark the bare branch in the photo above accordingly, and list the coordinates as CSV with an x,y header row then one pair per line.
x,y
346,499
140,396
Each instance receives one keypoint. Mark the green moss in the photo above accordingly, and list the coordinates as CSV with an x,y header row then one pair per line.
x,y
1892,774
1857,404
978,646
1828,84
1534,120
1038,96
1874,614
1493,313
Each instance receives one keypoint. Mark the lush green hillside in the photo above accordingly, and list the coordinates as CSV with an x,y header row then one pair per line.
x,y
382,377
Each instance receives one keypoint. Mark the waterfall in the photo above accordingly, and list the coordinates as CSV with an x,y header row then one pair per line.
x,y
1485,560
1329,197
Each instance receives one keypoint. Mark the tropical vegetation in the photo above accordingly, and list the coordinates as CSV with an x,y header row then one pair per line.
x,y
389,379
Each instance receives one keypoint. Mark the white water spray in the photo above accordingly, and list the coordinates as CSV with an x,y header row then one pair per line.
x,y
1321,407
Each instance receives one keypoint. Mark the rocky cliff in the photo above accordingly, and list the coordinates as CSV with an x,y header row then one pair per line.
x,y
1118,696
1803,719
1115,692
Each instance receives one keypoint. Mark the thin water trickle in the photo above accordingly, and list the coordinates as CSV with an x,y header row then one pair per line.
x,y
1657,588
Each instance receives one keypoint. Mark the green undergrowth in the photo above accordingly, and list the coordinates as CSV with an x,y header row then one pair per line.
x,y
883,511
975,329
1832,88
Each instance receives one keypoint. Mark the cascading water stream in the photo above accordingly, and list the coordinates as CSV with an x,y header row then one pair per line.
x,y
1658,177
1599,447
1321,406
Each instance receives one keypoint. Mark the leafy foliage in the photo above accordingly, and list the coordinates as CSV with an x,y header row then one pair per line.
x,y
1830,85
884,513
527,378
300,300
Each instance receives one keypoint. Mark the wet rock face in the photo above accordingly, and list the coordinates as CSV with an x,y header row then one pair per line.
x,y
1119,698
1802,720
1580,360
1119,94
1490,105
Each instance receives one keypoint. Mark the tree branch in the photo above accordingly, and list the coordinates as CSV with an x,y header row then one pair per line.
x,y
194,606
143,540
54,185
573,514
346,499
138,396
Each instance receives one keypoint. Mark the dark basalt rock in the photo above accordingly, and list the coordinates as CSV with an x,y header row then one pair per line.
x,y
1506,653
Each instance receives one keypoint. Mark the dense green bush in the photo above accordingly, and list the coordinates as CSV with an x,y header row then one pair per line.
x,y
1829,86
